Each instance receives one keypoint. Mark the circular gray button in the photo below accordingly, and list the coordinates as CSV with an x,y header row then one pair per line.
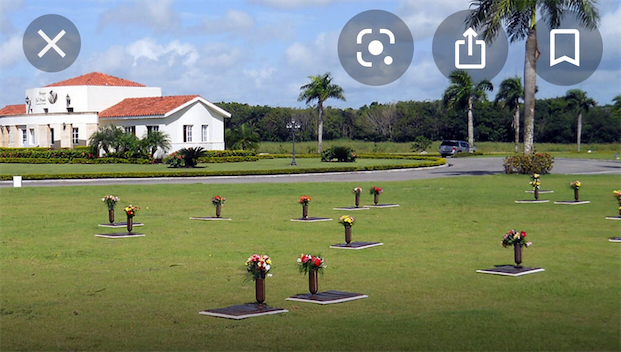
x,y
570,53
375,47
458,47
51,43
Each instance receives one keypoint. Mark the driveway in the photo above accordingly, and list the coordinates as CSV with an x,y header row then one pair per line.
x,y
455,168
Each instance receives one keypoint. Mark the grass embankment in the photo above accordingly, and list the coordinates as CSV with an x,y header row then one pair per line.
x,y
64,289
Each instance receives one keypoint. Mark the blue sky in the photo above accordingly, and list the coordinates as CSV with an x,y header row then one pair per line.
x,y
256,51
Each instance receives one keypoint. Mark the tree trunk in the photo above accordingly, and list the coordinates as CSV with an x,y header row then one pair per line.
x,y
530,83
579,133
516,126
320,127
470,126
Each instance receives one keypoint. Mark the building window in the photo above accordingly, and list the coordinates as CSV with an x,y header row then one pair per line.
x,y
32,137
187,133
51,136
204,133
152,129
69,109
76,140
131,129
24,137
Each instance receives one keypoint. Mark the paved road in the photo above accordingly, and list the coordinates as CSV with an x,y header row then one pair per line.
x,y
456,167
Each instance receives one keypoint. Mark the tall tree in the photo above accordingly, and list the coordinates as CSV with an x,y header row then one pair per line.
x,y
320,88
519,19
509,93
243,137
579,101
461,93
616,108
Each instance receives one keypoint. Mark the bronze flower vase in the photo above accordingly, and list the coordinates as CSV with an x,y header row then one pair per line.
x,y
536,193
304,211
259,285
130,223
218,209
357,200
111,215
347,234
576,194
376,198
517,255
313,281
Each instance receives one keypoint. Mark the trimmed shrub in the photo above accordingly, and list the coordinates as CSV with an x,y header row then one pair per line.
x,y
342,154
538,163
421,143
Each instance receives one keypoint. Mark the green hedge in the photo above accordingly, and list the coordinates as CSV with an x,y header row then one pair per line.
x,y
45,154
73,161
227,159
288,156
538,163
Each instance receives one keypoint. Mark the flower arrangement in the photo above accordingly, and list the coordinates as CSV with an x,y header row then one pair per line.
x,y
217,200
515,238
535,181
110,201
304,200
617,194
575,185
347,220
376,190
258,266
308,262
357,190
131,210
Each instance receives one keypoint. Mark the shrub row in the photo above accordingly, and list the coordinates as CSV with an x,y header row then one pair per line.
x,y
73,161
45,154
465,155
227,159
228,153
287,156
538,163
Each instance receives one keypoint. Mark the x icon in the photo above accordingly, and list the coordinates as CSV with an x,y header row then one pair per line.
x,y
51,44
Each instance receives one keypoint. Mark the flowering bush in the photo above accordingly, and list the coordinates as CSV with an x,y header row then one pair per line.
x,y
110,201
515,238
131,210
347,220
308,262
174,160
376,190
575,185
357,190
258,266
304,200
535,181
217,200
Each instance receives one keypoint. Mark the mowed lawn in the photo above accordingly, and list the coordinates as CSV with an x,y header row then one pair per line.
x,y
64,289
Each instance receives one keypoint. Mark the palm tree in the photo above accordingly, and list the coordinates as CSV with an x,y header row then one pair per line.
x,y
509,93
106,138
578,100
191,155
243,137
462,93
320,88
519,19
616,108
154,140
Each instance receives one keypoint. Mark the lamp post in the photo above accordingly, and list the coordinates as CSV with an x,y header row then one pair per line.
x,y
294,127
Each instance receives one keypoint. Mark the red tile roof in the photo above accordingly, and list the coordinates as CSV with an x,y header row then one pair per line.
x,y
96,79
9,110
146,106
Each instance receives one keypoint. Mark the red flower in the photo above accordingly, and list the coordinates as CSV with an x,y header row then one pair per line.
x,y
317,262
523,234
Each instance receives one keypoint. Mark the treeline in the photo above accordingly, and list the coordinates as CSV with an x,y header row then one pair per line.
x,y
555,122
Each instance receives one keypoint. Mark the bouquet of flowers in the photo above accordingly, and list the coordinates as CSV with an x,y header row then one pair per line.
x,y
513,237
376,190
357,190
304,200
347,220
131,210
217,200
110,201
308,262
258,266
535,181
617,194
575,185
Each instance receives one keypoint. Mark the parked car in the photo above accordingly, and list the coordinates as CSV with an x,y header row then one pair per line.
x,y
453,147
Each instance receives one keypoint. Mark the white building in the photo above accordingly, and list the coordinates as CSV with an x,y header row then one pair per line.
x,y
67,113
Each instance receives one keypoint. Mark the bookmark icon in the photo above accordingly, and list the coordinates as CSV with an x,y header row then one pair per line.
x,y
553,59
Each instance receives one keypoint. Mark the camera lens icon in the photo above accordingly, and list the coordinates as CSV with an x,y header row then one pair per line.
x,y
376,47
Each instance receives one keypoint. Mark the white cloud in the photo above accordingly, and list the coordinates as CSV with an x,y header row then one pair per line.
x,y
315,57
11,51
424,17
6,25
233,21
175,52
155,14
221,56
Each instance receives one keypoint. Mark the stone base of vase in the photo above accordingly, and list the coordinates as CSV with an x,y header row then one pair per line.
x,y
310,219
208,218
327,297
615,239
356,245
573,202
382,205
510,270
618,217
351,208
243,311
532,201
119,224
120,235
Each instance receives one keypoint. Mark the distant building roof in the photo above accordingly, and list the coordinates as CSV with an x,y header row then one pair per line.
x,y
19,109
96,79
153,106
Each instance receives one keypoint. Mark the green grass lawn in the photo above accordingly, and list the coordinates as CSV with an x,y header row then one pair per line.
x,y
64,289
266,164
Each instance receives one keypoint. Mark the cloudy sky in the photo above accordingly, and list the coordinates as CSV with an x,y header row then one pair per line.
x,y
255,51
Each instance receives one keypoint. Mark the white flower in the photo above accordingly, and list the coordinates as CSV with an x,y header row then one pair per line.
x,y
299,260
267,268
